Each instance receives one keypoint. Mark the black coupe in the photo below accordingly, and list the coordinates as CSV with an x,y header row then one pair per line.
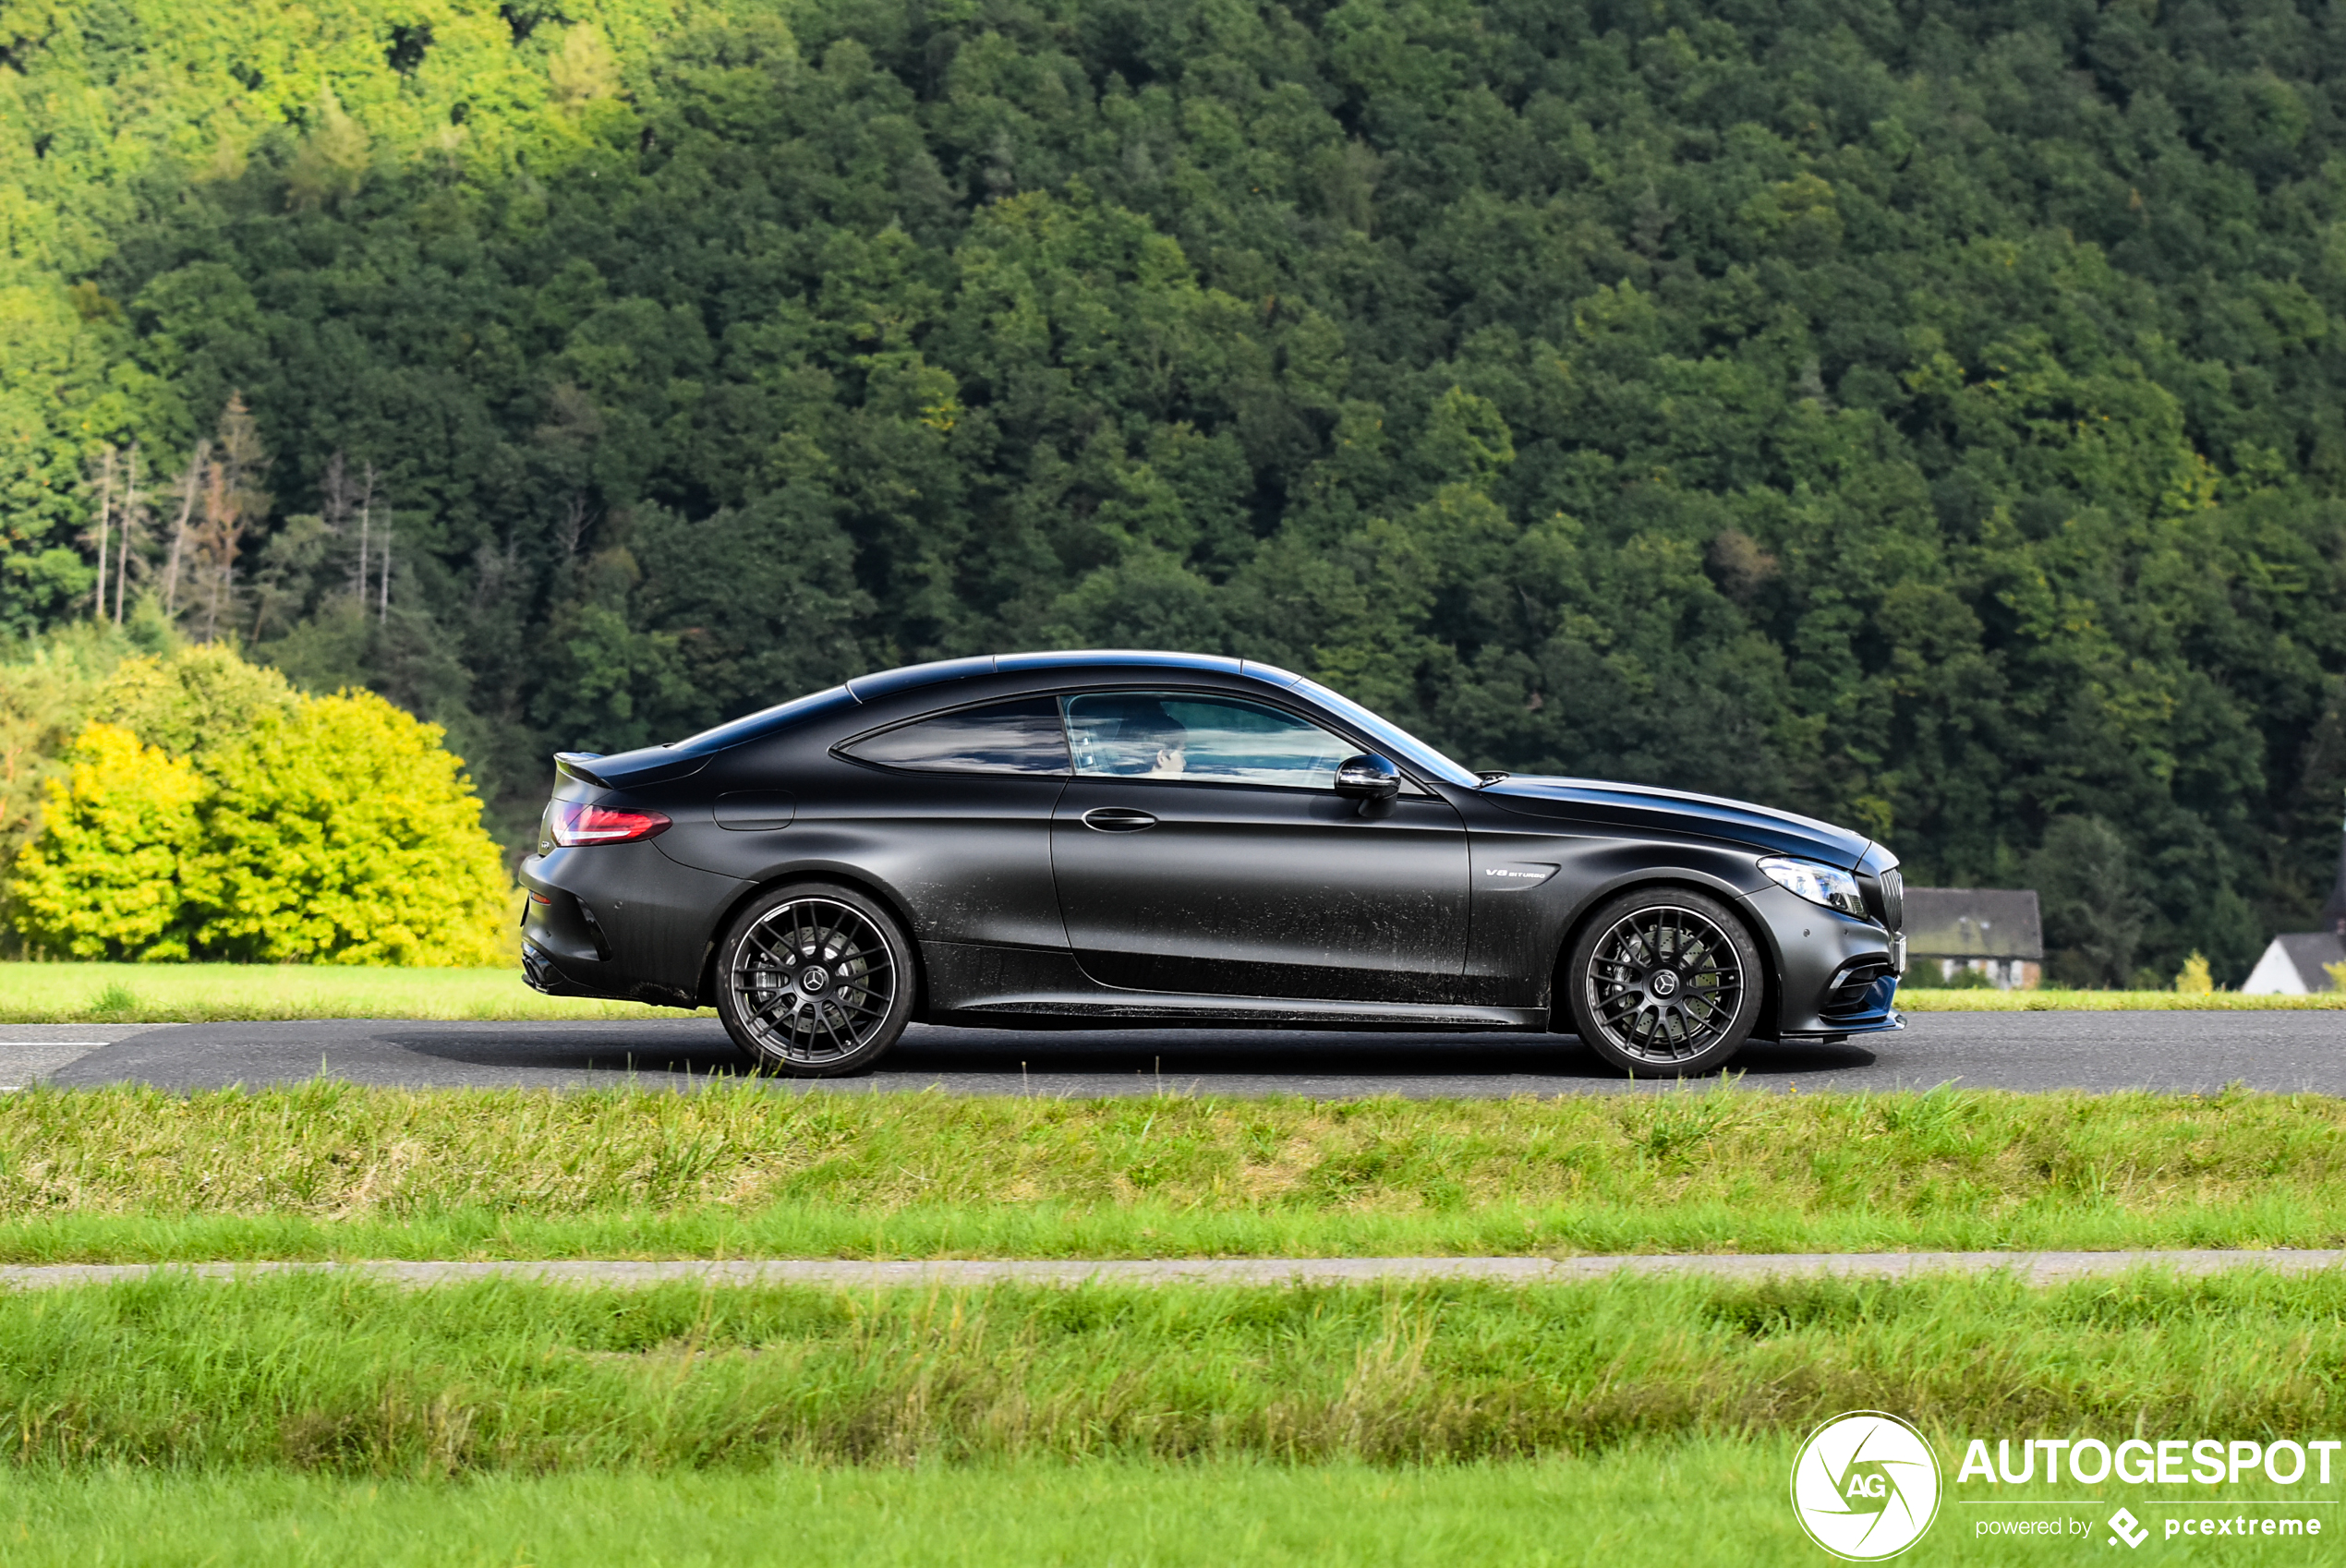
x,y
1150,838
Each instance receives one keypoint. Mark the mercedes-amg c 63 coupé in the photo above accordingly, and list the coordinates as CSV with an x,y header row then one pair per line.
x,y
1149,839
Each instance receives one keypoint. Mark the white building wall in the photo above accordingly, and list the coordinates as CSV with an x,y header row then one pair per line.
x,y
2274,975
2006,974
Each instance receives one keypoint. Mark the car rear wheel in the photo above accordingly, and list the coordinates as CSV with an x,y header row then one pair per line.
x,y
814,980
1663,982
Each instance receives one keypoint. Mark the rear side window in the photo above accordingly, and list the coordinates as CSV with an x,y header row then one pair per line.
x,y
1024,736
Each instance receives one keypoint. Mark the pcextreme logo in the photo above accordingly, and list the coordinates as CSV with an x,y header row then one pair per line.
x,y
1866,1486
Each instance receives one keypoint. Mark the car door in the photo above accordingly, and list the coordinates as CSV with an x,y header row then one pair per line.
x,y
1201,848
953,811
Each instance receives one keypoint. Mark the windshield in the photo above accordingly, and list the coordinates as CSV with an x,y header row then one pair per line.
x,y
1404,746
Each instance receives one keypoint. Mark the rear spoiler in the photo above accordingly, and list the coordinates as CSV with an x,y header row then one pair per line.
x,y
572,764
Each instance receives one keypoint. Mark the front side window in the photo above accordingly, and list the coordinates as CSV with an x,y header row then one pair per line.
x,y
1211,739
1013,737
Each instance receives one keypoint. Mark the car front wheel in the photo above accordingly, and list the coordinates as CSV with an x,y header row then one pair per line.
x,y
1663,982
814,980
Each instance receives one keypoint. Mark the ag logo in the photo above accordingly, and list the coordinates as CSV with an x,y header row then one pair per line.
x,y
1866,1486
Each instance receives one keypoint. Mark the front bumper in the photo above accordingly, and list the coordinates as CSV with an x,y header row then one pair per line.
x,y
1837,974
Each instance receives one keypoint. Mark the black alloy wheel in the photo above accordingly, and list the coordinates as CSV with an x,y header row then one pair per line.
x,y
814,980
1663,982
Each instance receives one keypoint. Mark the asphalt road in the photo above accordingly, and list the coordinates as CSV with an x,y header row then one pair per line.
x,y
2180,1051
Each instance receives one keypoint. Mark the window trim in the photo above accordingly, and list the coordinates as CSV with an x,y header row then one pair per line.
x,y
1413,786
841,748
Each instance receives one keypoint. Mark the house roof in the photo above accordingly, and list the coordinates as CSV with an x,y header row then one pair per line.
x,y
2297,962
1974,922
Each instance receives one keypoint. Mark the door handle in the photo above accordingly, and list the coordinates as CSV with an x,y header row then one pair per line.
x,y
1117,819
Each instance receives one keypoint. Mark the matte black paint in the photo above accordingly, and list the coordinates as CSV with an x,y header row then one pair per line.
x,y
1238,889
1035,898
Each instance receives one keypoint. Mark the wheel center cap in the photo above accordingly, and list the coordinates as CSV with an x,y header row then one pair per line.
x,y
814,978
1665,983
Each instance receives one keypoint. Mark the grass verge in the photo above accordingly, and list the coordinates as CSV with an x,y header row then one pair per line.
x,y
344,1376
77,993
1695,1503
90,992
1622,1422
1920,1000
329,1169
1692,1503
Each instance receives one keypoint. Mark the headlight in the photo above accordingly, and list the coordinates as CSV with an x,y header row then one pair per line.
x,y
1829,886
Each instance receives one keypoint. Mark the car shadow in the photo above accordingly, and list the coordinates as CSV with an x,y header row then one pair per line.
x,y
1207,1054
1193,1059
665,1049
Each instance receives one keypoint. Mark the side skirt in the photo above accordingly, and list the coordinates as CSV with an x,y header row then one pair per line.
x,y
1144,1011
990,987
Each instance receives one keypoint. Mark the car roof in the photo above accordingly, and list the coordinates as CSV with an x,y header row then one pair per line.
x,y
885,682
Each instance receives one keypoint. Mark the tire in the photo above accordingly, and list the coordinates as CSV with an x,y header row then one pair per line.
x,y
1663,982
814,980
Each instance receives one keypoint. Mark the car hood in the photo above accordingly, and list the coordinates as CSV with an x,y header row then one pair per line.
x,y
1638,808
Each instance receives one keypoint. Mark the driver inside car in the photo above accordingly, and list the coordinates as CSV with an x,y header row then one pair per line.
x,y
1149,744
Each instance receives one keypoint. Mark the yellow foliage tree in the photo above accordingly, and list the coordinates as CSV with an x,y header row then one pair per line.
x,y
106,877
341,831
212,812
45,700
332,161
586,70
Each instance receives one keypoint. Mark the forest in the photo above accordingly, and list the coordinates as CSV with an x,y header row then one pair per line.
x,y
1923,414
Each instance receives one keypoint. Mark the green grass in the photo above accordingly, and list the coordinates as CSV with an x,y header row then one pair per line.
x,y
331,1420
344,1376
1695,1503
1916,999
329,1169
80,992
77,993
1213,1516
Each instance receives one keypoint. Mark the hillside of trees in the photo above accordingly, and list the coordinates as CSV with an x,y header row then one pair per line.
x,y
1921,412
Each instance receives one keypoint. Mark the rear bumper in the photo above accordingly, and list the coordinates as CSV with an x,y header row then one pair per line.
x,y
543,971
621,921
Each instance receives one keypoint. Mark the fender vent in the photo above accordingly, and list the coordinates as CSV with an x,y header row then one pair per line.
x,y
594,931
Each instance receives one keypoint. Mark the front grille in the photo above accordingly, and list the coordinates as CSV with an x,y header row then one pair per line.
x,y
1894,900
1851,990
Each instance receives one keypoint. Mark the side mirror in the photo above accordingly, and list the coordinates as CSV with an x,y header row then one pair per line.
x,y
1368,777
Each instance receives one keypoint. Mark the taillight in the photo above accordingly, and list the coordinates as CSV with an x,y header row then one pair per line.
x,y
578,822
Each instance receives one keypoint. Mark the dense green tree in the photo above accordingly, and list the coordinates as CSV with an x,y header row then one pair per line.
x,y
1928,416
